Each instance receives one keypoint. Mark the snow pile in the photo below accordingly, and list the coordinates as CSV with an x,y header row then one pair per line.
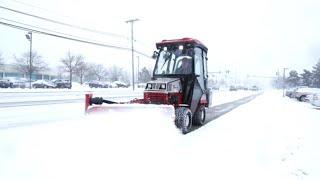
x,y
113,145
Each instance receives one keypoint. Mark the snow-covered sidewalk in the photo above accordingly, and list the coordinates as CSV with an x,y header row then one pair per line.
x,y
270,137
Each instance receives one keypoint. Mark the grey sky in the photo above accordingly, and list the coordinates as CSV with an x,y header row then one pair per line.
x,y
246,37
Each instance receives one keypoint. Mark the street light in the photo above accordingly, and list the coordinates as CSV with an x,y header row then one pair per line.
x,y
283,82
132,50
29,37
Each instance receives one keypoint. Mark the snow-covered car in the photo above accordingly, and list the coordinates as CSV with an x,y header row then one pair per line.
x,y
302,93
42,84
293,91
232,88
214,87
254,88
5,83
61,83
17,82
290,91
120,84
141,85
94,84
106,84
315,100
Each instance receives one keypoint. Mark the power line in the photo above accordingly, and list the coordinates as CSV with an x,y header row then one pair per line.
x,y
63,23
42,28
30,5
66,24
257,76
70,38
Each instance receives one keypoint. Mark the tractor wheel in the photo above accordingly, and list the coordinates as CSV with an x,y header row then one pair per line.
x,y
200,116
183,119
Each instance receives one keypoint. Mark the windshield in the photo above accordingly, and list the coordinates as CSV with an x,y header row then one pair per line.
x,y
174,61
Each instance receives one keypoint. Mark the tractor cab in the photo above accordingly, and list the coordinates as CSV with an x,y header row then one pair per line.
x,y
180,57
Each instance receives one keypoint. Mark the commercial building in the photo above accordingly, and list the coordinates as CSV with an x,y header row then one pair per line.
x,y
9,70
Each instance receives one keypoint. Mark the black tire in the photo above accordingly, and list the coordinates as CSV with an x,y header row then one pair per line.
x,y
302,98
183,119
199,117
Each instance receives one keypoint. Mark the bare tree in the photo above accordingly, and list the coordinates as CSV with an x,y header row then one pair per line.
x,y
144,75
1,64
82,70
25,65
71,63
98,71
1,59
115,73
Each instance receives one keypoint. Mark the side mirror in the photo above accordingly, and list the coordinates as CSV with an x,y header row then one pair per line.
x,y
155,55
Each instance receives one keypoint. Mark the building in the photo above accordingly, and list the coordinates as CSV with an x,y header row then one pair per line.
x,y
9,70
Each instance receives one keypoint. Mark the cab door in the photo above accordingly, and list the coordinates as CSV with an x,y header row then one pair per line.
x,y
199,67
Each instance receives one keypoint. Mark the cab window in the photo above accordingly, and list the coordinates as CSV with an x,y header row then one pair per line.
x,y
198,61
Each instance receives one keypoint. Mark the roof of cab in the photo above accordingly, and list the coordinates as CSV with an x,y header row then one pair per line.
x,y
181,41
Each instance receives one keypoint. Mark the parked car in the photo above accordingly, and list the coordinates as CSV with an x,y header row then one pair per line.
x,y
42,84
106,84
315,100
302,93
232,88
214,87
290,91
5,83
61,83
94,84
120,84
17,82
254,88
141,85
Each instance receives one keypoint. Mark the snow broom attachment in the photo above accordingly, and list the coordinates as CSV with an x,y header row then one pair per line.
x,y
140,107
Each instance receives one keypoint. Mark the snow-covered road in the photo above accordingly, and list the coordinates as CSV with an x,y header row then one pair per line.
x,y
270,137
20,108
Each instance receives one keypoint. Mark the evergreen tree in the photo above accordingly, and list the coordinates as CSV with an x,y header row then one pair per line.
x,y
293,79
306,77
316,75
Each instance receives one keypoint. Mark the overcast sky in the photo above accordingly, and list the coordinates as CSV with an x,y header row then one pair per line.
x,y
246,37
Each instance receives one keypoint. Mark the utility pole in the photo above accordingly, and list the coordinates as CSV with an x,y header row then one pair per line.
x,y
283,82
278,79
132,50
29,37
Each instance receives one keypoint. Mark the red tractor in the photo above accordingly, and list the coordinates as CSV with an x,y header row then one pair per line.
x,y
180,78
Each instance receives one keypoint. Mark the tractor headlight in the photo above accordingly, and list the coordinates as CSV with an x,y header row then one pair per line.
x,y
174,86
162,86
149,86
